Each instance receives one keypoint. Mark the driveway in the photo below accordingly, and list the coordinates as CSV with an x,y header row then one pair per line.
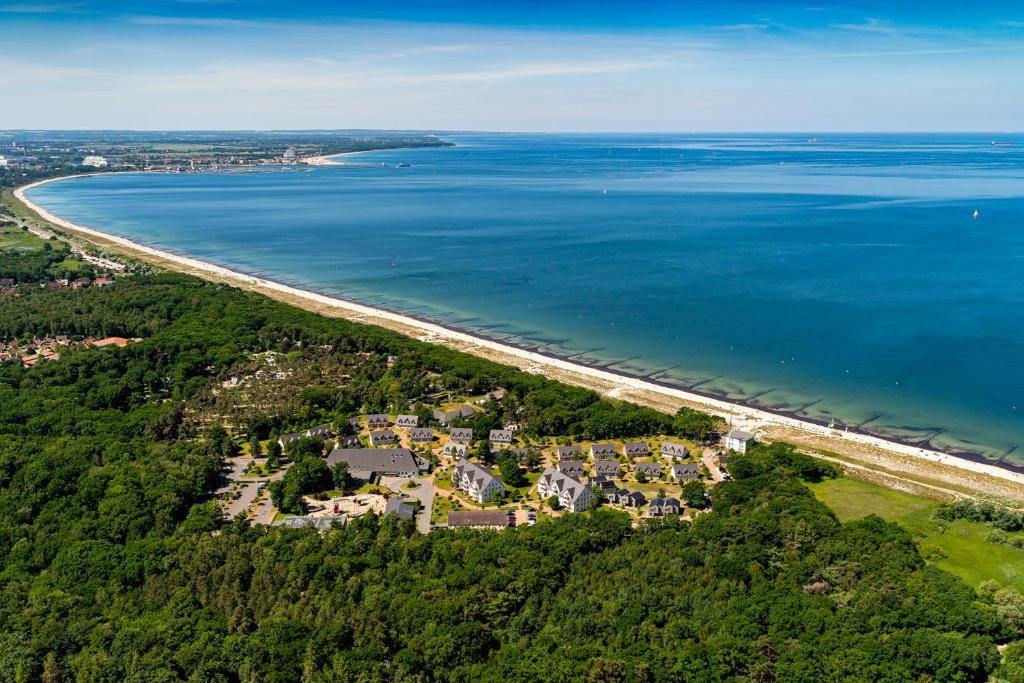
x,y
709,462
244,500
424,493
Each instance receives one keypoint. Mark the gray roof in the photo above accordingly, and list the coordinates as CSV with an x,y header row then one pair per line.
x,y
452,448
478,518
322,431
383,436
398,507
449,415
378,418
387,461
500,435
602,449
476,474
570,467
686,469
672,448
607,467
350,441
634,447
461,433
648,468
421,433
569,452
567,483
740,435
407,420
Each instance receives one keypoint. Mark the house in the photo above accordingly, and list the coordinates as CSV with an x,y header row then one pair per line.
x,y
632,500
350,441
481,519
601,482
6,281
572,494
495,395
636,449
460,434
456,450
102,281
603,451
617,496
574,468
407,421
80,283
687,471
609,468
677,451
475,481
570,453
445,417
421,435
398,507
661,507
737,439
382,437
501,437
320,432
377,421
94,161
651,470
353,422
368,463
286,439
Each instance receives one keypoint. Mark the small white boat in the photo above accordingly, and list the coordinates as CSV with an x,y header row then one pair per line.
x,y
976,214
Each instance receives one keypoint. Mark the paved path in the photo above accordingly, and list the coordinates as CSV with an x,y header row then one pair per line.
x,y
241,504
709,462
424,493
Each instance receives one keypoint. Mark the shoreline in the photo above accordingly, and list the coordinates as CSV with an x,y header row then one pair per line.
x,y
737,413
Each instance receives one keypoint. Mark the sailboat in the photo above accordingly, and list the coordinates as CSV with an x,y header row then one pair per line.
x,y
976,214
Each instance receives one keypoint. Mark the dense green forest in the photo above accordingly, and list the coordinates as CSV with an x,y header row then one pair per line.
x,y
114,565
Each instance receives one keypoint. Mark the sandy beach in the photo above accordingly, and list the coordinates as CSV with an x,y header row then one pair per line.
x,y
887,455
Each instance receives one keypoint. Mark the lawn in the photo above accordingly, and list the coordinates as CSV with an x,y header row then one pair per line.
x,y
13,237
959,547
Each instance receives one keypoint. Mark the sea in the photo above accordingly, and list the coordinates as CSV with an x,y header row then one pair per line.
x,y
876,281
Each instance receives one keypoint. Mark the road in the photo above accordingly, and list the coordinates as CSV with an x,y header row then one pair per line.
x,y
244,500
709,462
424,493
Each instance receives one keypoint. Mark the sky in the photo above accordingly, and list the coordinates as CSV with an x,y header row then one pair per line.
x,y
513,66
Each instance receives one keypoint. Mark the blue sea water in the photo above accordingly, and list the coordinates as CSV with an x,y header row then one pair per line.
x,y
846,273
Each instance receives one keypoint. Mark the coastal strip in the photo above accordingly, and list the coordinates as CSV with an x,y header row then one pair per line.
x,y
616,384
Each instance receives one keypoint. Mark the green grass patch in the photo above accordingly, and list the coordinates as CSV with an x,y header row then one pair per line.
x,y
12,237
961,548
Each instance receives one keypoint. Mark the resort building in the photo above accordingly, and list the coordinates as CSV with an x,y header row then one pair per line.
x,y
570,453
350,441
677,451
421,435
651,470
445,417
407,421
603,451
687,471
476,482
382,437
456,450
368,463
572,494
609,468
321,432
501,437
95,162
661,507
378,421
737,440
636,449
574,468
460,434
481,519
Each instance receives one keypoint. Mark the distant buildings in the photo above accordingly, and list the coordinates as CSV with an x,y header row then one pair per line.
x,y
572,494
737,440
476,482
3,161
321,431
94,162
407,421
445,417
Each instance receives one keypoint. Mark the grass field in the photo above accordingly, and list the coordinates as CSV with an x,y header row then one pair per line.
x,y
13,237
959,547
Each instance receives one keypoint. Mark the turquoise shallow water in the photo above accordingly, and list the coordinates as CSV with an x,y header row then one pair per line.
x,y
847,274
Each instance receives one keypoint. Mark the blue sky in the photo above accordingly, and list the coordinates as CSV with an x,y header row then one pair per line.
x,y
527,66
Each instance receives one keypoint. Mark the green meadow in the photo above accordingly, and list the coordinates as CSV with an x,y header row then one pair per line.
x,y
959,547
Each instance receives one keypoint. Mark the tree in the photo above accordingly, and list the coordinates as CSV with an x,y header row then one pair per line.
x,y
697,425
255,447
484,452
554,504
511,473
342,479
693,493
311,446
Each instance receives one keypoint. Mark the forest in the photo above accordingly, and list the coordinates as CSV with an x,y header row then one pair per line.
x,y
116,566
